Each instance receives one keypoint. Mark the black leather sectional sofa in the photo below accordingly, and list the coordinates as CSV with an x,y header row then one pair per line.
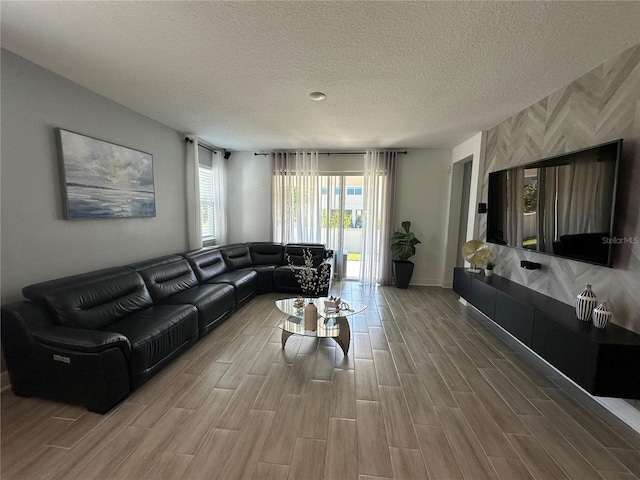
x,y
92,339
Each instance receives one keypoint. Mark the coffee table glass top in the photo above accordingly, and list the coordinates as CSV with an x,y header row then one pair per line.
x,y
287,306
328,321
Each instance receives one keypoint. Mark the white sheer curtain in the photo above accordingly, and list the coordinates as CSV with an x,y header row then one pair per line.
x,y
377,216
282,196
515,200
219,167
575,198
582,199
193,195
332,211
546,201
297,213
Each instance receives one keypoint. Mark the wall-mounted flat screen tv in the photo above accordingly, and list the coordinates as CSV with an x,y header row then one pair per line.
x,y
563,205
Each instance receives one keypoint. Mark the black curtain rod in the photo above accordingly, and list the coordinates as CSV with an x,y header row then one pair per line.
x,y
187,139
404,152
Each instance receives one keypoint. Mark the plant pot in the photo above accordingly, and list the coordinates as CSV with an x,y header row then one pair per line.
x,y
402,272
488,273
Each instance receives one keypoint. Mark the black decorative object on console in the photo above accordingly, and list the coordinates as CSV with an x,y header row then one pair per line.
x,y
530,265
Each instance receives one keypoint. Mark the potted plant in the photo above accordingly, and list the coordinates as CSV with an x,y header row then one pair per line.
x,y
403,245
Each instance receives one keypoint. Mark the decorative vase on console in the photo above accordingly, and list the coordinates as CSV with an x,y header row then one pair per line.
x,y
585,303
601,315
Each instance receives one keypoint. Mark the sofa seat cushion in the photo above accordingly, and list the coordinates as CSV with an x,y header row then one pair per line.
x,y
245,283
215,303
265,276
156,332
285,276
284,280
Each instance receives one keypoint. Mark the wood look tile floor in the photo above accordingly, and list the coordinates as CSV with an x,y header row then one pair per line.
x,y
429,390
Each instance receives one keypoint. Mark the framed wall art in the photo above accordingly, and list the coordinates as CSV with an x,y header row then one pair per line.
x,y
104,180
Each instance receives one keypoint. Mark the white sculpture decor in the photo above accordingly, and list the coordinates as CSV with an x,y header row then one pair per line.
x,y
601,315
585,303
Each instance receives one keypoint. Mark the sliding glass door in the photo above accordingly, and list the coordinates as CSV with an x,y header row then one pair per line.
x,y
342,222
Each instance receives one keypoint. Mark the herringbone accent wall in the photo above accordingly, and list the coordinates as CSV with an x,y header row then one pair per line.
x,y
601,106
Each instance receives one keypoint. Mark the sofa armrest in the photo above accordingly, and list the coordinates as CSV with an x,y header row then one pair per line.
x,y
75,365
81,340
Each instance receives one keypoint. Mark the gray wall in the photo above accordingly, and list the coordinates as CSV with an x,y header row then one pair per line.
x,y
37,243
422,193
600,106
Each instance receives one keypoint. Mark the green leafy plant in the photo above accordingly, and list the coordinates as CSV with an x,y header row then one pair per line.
x,y
403,243
531,197
490,261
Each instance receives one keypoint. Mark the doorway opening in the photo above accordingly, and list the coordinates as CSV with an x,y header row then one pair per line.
x,y
464,211
342,224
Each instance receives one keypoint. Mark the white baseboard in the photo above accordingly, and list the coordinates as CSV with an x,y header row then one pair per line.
x,y
623,410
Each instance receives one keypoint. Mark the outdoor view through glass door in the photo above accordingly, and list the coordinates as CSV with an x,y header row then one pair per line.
x,y
342,222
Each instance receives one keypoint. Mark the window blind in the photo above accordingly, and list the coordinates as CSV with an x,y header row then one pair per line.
x,y
206,203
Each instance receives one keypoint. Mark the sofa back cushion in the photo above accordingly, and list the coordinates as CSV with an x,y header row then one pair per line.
x,y
295,252
264,253
206,263
93,300
166,276
236,256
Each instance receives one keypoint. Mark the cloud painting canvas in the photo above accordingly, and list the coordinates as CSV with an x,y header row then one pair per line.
x,y
104,180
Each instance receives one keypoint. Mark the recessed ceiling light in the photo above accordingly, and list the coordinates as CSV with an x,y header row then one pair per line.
x,y
317,96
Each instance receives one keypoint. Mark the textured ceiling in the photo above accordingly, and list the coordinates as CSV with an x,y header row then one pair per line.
x,y
396,74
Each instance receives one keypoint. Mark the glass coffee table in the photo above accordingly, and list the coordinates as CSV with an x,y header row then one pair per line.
x,y
331,323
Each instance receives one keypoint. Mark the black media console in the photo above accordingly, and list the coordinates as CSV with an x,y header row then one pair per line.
x,y
604,362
